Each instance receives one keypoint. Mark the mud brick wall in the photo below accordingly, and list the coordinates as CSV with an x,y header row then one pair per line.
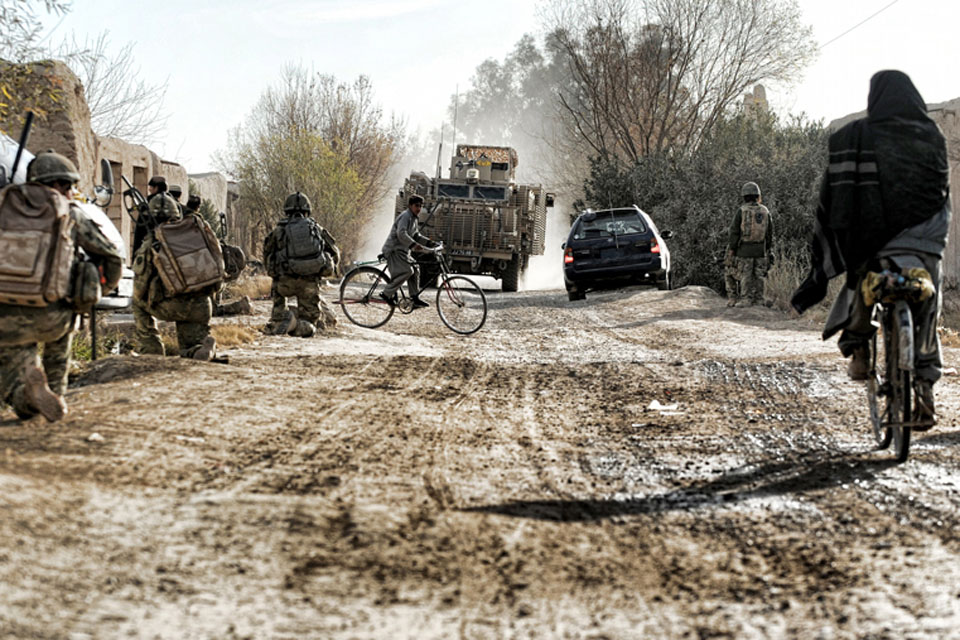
x,y
62,120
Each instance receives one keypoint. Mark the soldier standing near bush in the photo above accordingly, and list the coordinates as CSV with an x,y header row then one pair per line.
x,y
44,206
297,254
152,298
751,245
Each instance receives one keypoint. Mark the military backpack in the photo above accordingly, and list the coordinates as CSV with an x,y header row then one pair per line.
x,y
36,245
301,248
187,255
754,219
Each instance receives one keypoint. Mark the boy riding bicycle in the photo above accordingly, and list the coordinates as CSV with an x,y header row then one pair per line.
x,y
405,233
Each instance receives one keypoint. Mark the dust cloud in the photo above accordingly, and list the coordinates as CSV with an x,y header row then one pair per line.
x,y
546,271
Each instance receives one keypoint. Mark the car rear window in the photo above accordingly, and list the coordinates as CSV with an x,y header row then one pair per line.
x,y
608,224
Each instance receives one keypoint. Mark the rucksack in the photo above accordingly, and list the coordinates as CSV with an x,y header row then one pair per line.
x,y
37,248
754,219
301,250
187,255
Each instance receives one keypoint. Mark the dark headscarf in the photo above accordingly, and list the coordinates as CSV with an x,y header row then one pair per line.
x,y
911,151
887,172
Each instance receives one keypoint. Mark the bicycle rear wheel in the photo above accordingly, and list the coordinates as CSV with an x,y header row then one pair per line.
x,y
360,297
461,304
899,409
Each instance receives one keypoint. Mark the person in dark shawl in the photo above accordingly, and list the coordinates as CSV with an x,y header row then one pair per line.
x,y
885,194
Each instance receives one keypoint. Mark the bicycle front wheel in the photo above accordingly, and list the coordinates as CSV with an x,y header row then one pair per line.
x,y
360,297
461,304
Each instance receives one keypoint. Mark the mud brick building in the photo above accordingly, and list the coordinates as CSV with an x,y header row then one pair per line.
x,y
63,124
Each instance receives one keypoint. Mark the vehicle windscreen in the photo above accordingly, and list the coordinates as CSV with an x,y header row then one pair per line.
x,y
490,193
453,191
608,224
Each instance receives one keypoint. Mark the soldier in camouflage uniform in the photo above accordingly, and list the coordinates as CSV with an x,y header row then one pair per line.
x,y
27,387
751,245
312,311
191,311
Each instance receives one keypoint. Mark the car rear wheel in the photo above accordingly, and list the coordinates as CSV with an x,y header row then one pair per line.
x,y
665,283
576,294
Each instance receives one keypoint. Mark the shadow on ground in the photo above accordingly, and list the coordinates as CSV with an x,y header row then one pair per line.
x,y
767,480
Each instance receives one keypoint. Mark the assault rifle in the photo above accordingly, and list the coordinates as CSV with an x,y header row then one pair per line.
x,y
23,144
133,200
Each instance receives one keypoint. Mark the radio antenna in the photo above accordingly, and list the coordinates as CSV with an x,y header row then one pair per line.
x,y
456,109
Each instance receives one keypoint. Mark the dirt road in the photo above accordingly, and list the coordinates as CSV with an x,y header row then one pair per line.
x,y
409,483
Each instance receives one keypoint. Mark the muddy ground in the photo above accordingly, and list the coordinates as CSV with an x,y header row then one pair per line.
x,y
409,483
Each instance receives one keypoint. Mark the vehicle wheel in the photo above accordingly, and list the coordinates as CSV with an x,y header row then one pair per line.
x,y
510,278
666,283
461,304
576,294
360,297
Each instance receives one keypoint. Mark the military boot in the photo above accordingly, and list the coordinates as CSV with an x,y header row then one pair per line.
x,y
241,307
38,395
284,326
304,329
859,367
207,350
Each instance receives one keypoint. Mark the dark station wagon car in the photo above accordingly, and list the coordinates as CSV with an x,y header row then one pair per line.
x,y
614,246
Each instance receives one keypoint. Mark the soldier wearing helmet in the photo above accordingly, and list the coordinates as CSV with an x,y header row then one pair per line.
x,y
175,191
298,253
32,385
750,250
190,311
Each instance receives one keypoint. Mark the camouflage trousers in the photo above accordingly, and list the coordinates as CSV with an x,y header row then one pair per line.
x,y
55,364
730,277
191,313
751,273
311,306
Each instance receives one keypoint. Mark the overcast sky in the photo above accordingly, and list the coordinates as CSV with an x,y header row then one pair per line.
x,y
219,55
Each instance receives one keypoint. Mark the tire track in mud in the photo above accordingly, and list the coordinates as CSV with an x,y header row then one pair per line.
x,y
306,457
510,484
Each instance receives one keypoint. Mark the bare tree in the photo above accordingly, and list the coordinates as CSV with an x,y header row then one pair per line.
x,y
20,27
344,115
122,104
656,75
313,134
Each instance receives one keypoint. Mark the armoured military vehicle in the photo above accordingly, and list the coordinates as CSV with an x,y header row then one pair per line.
x,y
487,222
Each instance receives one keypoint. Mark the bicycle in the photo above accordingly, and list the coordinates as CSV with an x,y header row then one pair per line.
x,y
461,303
893,379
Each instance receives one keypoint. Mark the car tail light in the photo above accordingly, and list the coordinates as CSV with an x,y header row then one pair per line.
x,y
654,246
568,256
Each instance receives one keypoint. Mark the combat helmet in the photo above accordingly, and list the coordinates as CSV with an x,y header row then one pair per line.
x,y
50,166
750,189
163,208
296,203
